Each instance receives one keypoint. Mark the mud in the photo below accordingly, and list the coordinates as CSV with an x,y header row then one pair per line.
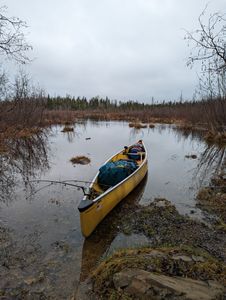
x,y
177,246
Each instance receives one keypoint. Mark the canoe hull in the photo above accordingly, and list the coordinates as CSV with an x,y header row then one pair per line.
x,y
91,217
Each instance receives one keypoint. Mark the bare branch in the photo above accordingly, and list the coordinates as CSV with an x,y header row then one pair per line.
x,y
209,42
13,43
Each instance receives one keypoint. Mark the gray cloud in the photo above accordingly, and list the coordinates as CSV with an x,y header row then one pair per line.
x,y
124,49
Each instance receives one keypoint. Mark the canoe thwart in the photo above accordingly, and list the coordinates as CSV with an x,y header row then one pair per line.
x,y
137,153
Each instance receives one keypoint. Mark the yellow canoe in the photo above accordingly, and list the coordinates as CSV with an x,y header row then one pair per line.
x,y
94,207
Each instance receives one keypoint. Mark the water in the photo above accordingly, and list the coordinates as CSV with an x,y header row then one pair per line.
x,y
44,221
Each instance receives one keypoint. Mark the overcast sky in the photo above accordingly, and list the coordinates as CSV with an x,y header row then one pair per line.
x,y
124,49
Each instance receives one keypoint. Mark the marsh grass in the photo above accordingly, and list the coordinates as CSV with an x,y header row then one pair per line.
x,y
137,125
67,129
213,199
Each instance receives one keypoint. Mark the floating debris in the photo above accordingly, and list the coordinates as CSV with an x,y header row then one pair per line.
x,y
81,160
137,125
192,156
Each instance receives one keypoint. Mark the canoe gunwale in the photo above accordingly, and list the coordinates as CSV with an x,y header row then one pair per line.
x,y
115,186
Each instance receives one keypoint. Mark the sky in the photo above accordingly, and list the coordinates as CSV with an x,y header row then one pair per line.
x,y
123,49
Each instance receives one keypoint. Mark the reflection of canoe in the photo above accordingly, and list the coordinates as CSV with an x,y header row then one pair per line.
x,y
100,241
94,207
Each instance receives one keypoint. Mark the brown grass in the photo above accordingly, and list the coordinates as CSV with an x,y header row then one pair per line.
x,y
216,137
67,129
137,125
61,117
213,199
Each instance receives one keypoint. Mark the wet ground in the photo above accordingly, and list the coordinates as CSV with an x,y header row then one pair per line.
x,y
43,253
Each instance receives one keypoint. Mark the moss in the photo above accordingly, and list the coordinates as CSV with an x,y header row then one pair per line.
x,y
220,225
158,260
118,295
204,194
162,225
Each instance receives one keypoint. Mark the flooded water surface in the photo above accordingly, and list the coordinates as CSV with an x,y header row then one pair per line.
x,y
46,253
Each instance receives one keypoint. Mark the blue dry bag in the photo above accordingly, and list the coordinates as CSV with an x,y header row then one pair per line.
x,y
113,172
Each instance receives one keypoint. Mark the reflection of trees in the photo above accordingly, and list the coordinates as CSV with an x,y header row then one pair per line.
x,y
70,136
213,160
24,159
188,133
99,242
136,132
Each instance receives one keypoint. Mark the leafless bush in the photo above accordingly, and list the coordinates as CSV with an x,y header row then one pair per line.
x,y
25,107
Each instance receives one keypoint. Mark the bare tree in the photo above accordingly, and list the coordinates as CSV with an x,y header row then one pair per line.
x,y
4,85
12,39
21,86
209,47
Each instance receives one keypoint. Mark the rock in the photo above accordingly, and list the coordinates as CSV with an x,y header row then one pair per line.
x,y
156,253
138,286
161,202
141,284
198,258
122,280
182,257
83,291
34,280
30,280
